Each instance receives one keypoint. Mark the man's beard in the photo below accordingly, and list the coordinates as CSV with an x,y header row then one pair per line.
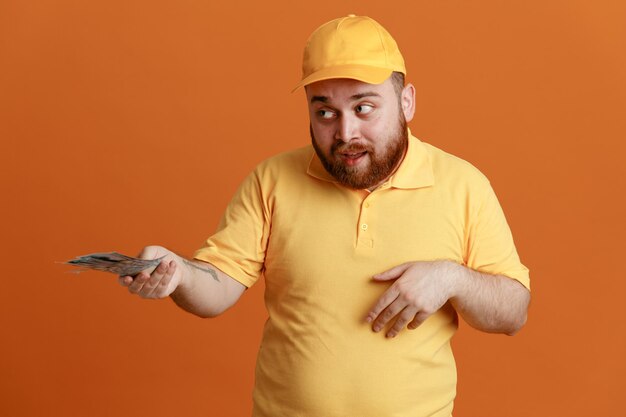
x,y
380,166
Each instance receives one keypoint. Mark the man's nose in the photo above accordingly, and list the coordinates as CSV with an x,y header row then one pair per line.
x,y
347,128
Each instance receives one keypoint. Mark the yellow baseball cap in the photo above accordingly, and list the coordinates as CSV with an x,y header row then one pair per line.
x,y
354,47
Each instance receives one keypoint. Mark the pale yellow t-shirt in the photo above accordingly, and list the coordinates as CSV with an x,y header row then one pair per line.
x,y
318,244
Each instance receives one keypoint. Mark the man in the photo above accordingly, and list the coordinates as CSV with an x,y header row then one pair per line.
x,y
362,235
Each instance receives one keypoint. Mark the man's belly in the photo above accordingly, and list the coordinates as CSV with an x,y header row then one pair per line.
x,y
332,366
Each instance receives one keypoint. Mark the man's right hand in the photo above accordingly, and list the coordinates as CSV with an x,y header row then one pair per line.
x,y
195,286
159,282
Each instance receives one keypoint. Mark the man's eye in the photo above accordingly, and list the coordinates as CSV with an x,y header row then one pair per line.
x,y
364,108
325,114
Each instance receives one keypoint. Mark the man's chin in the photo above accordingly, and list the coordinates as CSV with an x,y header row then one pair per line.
x,y
354,169
355,178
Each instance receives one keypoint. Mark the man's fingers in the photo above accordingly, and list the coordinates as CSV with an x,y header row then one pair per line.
x,y
154,285
387,314
162,289
147,280
385,300
404,317
138,282
157,288
151,284
125,281
392,273
419,319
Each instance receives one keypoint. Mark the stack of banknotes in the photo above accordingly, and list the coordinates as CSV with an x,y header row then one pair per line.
x,y
114,262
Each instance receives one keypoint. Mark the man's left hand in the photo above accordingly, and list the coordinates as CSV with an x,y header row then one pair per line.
x,y
421,288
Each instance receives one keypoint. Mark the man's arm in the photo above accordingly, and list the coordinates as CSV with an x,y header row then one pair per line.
x,y
195,286
491,303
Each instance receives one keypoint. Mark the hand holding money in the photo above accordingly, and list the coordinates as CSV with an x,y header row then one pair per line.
x,y
153,274
160,282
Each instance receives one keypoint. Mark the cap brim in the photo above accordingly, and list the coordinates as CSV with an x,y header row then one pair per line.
x,y
370,75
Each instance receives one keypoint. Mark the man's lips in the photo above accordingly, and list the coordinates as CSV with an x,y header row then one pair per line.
x,y
352,158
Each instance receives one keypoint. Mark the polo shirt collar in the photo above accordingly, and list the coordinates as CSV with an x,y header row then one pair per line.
x,y
415,171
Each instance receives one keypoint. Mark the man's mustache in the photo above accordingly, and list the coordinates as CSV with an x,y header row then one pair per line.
x,y
340,147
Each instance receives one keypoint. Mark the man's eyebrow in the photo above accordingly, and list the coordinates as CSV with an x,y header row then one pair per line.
x,y
324,99
365,94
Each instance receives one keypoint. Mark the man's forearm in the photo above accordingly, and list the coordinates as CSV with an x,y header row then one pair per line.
x,y
205,290
491,303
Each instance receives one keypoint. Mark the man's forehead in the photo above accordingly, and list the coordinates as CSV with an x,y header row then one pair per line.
x,y
343,88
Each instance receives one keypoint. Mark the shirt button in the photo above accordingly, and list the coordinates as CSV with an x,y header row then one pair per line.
x,y
364,226
367,205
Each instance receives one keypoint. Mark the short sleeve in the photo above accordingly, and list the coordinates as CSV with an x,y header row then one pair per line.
x,y
239,245
490,246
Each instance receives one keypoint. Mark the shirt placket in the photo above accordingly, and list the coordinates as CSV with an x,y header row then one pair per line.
x,y
367,221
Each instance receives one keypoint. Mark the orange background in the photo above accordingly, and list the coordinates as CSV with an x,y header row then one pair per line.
x,y
127,123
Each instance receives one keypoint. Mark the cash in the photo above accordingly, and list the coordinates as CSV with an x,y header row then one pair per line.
x,y
114,262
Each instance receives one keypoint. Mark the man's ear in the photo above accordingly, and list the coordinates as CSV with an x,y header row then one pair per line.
x,y
407,101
